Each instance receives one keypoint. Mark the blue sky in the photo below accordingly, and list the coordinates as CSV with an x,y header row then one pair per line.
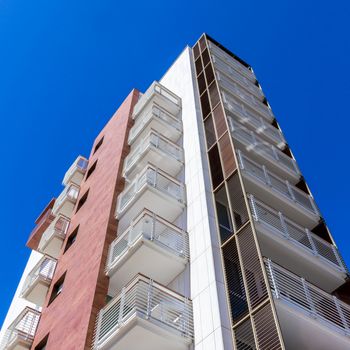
x,y
65,66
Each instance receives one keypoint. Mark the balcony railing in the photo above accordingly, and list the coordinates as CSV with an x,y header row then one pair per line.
x,y
251,141
43,271
277,223
147,300
155,178
316,303
22,330
160,144
70,193
80,165
172,101
225,68
159,115
282,187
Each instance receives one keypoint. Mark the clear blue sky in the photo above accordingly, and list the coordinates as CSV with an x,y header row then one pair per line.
x,y
65,66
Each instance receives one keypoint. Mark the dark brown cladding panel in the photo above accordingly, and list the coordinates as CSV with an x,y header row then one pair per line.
x,y
69,319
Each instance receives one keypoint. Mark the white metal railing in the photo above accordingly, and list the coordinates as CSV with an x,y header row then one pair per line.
x,y
23,328
260,126
58,227
274,182
153,228
232,73
80,164
70,193
278,223
156,88
261,147
149,300
301,294
155,178
232,62
153,140
157,113
43,270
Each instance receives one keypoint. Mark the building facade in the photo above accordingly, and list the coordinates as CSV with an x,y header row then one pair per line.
x,y
190,226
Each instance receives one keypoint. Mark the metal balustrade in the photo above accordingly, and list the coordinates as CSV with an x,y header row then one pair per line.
x,y
277,223
22,330
70,193
42,271
156,113
153,141
232,73
316,303
152,228
253,142
79,165
145,299
171,101
282,187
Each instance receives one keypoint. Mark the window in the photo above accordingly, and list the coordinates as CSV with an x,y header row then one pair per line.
x,y
71,239
57,289
42,344
91,170
82,200
98,145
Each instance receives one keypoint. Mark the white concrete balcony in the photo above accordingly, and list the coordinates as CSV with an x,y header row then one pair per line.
x,y
153,189
259,181
65,202
150,246
263,152
224,68
266,131
76,171
246,72
159,95
296,247
20,334
52,239
307,314
157,150
145,315
38,281
158,120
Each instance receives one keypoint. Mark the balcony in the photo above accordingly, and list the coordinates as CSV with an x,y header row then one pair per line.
x,y
76,171
258,125
52,239
38,281
20,334
307,314
296,247
156,150
159,95
150,246
152,189
158,120
225,68
278,192
145,315
261,151
246,72
65,202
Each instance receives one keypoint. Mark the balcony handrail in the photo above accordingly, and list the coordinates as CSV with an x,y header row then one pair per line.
x,y
44,270
146,299
153,228
70,192
24,326
156,87
80,164
277,223
155,178
278,184
260,146
161,143
318,304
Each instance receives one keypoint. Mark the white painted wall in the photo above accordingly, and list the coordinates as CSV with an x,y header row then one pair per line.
x,y
211,318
